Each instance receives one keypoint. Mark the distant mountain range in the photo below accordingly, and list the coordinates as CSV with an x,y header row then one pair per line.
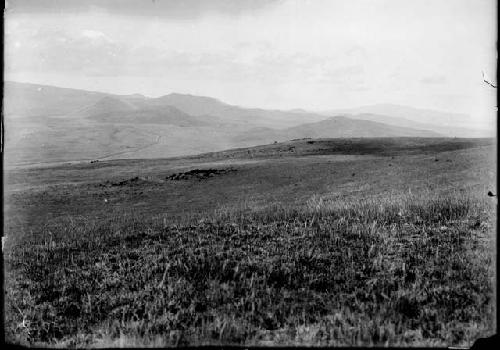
x,y
445,123
333,127
51,124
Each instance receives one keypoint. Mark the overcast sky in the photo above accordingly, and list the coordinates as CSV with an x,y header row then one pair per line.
x,y
265,53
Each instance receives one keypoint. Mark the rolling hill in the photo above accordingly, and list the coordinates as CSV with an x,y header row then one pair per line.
x,y
445,123
34,100
51,124
334,127
251,117
124,111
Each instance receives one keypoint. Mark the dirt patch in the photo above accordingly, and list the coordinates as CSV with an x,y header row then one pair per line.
x,y
200,174
135,181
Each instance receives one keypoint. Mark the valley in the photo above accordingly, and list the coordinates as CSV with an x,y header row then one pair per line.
x,y
46,124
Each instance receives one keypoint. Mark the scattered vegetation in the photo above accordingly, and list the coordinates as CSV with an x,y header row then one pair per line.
x,y
386,146
402,272
199,174
289,251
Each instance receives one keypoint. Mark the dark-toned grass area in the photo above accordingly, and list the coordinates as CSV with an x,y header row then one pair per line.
x,y
400,273
200,174
288,252
387,146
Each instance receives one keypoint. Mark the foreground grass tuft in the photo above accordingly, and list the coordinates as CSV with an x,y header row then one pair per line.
x,y
403,271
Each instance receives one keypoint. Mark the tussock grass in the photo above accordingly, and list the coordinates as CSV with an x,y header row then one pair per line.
x,y
409,270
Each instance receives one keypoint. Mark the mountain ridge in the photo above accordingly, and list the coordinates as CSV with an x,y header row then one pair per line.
x,y
46,123
449,124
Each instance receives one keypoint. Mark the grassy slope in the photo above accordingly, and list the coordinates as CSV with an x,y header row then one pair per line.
x,y
48,125
56,139
311,249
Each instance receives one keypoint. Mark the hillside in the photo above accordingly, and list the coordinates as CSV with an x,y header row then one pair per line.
x,y
383,146
193,105
346,127
49,124
252,117
445,123
335,127
106,105
34,100
122,110
338,234
411,113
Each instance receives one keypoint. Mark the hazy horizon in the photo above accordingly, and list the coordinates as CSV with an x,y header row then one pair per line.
x,y
313,173
274,54
243,106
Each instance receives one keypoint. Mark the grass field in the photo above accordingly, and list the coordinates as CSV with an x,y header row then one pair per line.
x,y
311,242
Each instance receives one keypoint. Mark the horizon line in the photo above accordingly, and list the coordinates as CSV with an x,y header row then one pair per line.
x,y
317,111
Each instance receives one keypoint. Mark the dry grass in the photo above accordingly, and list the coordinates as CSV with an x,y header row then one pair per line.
x,y
290,250
412,270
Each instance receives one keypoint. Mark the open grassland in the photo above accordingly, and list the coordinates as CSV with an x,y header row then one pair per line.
x,y
322,249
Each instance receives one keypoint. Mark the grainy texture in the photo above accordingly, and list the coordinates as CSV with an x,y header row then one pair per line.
x,y
356,248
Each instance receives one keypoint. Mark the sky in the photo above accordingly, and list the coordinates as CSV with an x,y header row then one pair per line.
x,y
284,54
